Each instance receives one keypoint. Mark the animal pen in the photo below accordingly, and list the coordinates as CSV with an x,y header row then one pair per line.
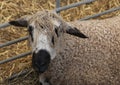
x,y
58,9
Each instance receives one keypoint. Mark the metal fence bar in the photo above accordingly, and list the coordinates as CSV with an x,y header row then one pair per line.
x,y
74,5
57,4
18,74
102,13
58,9
13,41
15,57
4,25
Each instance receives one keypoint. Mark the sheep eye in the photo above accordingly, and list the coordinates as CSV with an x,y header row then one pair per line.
x,y
30,29
53,41
56,31
41,27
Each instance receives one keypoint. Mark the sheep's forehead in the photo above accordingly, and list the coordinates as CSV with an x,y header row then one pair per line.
x,y
41,22
45,18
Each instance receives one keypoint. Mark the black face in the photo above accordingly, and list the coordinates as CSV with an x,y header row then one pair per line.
x,y
40,61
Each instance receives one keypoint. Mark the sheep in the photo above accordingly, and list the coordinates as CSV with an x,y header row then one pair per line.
x,y
70,60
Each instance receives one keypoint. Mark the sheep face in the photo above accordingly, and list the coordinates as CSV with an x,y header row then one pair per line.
x,y
45,35
46,30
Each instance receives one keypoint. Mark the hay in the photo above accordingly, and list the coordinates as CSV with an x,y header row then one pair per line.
x,y
14,9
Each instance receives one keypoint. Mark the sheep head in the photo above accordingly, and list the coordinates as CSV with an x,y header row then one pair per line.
x,y
46,30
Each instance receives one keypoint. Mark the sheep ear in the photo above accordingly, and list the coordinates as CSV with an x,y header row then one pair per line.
x,y
19,23
22,22
74,31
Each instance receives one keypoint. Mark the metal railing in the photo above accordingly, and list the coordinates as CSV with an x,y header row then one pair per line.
x,y
58,9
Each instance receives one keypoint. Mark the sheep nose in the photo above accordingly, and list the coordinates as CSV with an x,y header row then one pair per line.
x,y
41,60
